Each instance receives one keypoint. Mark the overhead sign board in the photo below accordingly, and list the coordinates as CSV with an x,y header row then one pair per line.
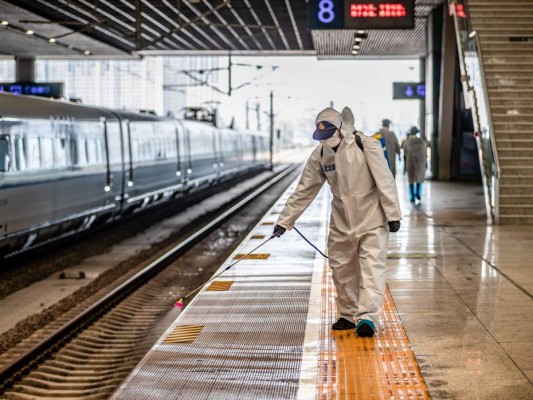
x,y
408,91
43,89
362,14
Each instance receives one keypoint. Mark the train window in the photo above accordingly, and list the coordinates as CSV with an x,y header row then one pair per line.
x,y
92,151
5,157
61,152
34,155
82,151
47,153
99,151
73,151
114,143
150,151
135,150
20,153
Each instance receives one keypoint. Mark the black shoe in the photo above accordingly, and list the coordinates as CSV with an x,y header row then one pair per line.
x,y
342,324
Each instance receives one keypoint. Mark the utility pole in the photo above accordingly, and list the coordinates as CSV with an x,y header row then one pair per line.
x,y
247,116
229,74
258,113
271,130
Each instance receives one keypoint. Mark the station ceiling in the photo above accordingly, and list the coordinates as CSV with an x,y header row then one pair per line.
x,y
126,28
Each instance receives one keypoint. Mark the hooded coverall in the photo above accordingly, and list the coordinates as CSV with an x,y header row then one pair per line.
x,y
416,155
364,199
393,147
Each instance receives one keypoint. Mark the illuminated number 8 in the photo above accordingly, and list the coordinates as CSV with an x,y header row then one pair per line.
x,y
326,13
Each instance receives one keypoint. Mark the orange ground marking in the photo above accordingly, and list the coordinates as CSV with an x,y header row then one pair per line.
x,y
353,368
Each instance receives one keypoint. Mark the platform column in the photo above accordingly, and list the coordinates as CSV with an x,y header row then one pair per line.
x,y
271,130
447,92
25,69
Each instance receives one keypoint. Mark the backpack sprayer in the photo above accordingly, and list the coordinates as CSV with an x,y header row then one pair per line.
x,y
181,300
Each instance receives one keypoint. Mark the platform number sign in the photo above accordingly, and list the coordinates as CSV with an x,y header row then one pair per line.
x,y
362,14
326,14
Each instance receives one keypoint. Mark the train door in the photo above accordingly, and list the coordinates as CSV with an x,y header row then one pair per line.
x,y
218,155
129,177
124,162
5,166
188,154
115,163
183,159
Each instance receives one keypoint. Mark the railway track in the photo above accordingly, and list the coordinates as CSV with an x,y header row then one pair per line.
x,y
93,348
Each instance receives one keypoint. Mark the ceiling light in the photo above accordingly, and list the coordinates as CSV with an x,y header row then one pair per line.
x,y
355,52
4,23
356,46
358,40
472,34
87,52
52,40
359,32
30,32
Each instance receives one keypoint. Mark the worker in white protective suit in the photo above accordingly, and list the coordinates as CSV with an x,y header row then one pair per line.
x,y
416,159
393,147
365,199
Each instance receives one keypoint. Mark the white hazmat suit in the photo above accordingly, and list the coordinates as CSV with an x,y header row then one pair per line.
x,y
393,147
364,200
415,150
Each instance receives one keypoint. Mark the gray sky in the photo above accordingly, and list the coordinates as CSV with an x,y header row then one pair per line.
x,y
311,84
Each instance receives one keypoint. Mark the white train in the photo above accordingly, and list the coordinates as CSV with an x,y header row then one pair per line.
x,y
65,168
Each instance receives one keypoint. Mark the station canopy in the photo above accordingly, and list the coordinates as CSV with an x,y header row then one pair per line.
x,y
129,28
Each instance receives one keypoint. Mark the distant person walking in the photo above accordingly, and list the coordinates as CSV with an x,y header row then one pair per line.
x,y
416,153
404,154
391,141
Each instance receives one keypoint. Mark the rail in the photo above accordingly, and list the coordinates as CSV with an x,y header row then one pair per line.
x,y
476,95
30,359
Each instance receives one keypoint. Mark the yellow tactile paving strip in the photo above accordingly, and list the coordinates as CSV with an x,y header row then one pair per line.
x,y
383,367
253,256
184,334
220,286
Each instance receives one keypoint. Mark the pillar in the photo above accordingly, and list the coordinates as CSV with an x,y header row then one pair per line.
x,y
25,69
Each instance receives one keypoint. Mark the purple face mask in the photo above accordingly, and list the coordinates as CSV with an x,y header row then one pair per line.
x,y
332,141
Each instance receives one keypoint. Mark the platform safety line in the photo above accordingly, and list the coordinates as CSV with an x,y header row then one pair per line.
x,y
353,368
309,371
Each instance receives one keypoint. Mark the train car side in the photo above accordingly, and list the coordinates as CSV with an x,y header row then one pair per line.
x,y
65,168
55,174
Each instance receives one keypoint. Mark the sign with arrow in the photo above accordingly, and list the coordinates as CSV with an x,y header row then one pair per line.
x,y
408,90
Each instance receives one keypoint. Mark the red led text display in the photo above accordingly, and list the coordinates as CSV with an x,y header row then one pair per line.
x,y
388,10
362,14
366,14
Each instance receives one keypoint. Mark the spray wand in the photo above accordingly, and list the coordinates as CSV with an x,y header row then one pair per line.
x,y
179,303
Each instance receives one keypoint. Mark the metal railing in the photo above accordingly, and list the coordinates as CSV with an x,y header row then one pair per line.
x,y
476,97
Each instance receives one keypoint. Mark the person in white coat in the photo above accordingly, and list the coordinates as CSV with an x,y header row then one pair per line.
x,y
415,158
393,147
365,207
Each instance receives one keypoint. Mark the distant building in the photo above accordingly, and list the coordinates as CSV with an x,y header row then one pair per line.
x,y
153,83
